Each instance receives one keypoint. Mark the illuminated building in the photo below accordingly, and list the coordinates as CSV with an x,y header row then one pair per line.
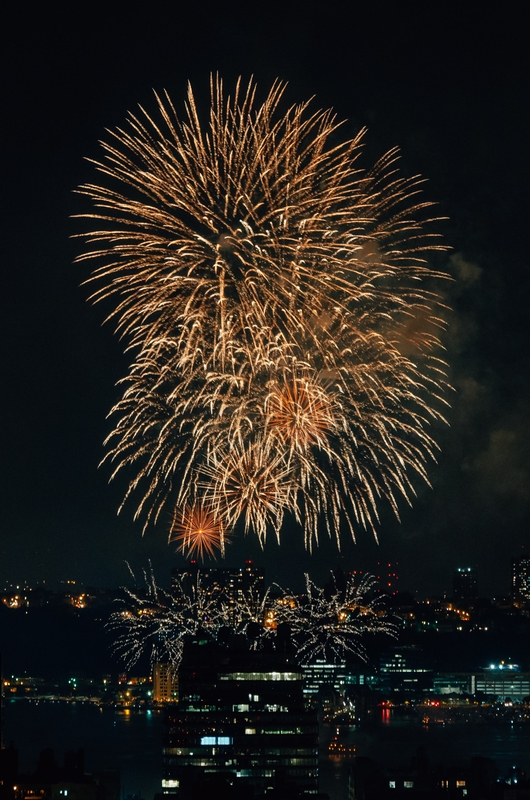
x,y
464,585
521,580
320,673
453,683
241,715
402,670
235,585
504,682
165,683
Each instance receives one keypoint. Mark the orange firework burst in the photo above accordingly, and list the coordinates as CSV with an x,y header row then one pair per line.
x,y
198,531
300,413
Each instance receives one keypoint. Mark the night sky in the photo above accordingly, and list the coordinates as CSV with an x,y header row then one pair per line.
x,y
449,87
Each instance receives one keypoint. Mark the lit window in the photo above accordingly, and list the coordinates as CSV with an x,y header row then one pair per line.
x,y
213,740
459,784
262,676
408,784
169,783
249,731
391,784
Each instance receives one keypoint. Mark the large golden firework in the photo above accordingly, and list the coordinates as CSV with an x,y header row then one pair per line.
x,y
281,315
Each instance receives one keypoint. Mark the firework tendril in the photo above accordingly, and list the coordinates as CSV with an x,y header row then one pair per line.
x,y
322,623
280,314
154,621
331,623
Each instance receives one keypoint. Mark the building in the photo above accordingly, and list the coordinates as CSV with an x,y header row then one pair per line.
x,y
403,670
504,682
372,781
321,673
241,718
453,683
165,683
521,580
52,782
236,586
464,585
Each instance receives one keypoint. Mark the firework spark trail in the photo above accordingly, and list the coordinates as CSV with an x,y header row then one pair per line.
x,y
253,616
321,624
157,622
279,310
331,625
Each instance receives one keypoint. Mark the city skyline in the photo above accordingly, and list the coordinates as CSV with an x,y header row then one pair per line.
x,y
463,584
448,95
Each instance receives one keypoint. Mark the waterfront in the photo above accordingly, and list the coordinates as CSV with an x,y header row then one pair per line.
x,y
124,739
131,740
395,740
398,739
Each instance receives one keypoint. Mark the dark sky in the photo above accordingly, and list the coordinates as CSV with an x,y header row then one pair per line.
x,y
449,86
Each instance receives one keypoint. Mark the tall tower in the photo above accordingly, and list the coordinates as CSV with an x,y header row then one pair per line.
x,y
234,585
241,719
464,585
521,580
165,683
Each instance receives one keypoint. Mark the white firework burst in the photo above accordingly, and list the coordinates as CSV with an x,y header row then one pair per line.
x,y
331,623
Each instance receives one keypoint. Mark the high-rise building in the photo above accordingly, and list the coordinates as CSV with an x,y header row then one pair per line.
x,y
464,585
521,580
241,718
236,586
165,683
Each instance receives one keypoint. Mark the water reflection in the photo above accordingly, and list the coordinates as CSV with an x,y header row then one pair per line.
x,y
131,740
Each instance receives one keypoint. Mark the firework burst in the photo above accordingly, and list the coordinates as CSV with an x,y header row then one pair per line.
x,y
281,315
301,415
330,624
198,531
324,623
249,482
155,622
